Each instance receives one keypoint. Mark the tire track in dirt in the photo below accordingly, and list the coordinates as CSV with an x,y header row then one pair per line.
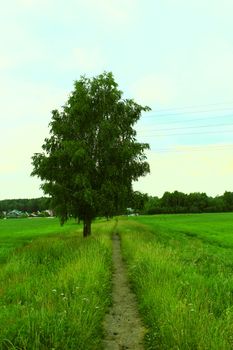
x,y
123,328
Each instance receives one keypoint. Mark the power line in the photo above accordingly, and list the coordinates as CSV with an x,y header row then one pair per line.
x,y
197,119
158,132
191,149
193,106
158,114
193,127
188,134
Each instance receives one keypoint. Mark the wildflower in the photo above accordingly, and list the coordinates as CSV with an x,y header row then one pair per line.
x,y
62,294
54,290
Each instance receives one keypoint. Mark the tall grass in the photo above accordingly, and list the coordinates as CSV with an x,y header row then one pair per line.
x,y
19,232
183,284
55,290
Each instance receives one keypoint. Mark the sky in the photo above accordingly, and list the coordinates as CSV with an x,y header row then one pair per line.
x,y
175,56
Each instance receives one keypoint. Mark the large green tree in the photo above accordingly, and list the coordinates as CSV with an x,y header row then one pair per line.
x,y
91,157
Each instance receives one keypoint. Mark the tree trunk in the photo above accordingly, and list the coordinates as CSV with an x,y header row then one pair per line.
x,y
86,227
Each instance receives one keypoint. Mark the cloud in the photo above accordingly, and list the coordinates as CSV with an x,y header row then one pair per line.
x,y
5,63
16,187
89,59
153,90
204,169
34,3
206,75
114,12
23,101
17,146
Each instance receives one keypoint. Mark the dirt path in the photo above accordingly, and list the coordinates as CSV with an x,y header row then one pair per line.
x,y
122,326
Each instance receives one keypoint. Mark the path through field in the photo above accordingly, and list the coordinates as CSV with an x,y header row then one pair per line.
x,y
122,325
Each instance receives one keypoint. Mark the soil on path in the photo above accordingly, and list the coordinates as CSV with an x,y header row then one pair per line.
x,y
122,326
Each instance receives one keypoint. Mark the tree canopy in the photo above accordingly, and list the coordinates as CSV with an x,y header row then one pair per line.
x,y
25,204
179,202
92,156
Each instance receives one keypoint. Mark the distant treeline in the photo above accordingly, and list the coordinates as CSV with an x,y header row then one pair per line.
x,y
26,205
169,203
179,202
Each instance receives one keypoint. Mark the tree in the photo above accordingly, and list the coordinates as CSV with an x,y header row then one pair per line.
x,y
137,201
228,200
198,202
153,206
91,157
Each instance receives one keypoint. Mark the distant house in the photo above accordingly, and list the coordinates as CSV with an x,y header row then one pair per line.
x,y
34,215
131,212
49,212
15,214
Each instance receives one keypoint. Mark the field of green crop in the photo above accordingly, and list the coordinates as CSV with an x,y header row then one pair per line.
x,y
54,285
181,268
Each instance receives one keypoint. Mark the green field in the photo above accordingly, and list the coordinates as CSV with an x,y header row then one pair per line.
x,y
16,233
55,286
181,267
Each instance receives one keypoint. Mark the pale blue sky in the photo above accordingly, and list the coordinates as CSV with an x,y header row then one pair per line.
x,y
174,55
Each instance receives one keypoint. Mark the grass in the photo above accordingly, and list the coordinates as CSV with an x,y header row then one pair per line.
x,y
215,229
55,286
18,232
181,268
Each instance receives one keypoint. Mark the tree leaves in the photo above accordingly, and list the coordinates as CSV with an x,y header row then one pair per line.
x,y
92,157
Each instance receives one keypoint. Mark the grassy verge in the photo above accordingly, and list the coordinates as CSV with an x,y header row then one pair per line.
x,y
184,284
55,290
